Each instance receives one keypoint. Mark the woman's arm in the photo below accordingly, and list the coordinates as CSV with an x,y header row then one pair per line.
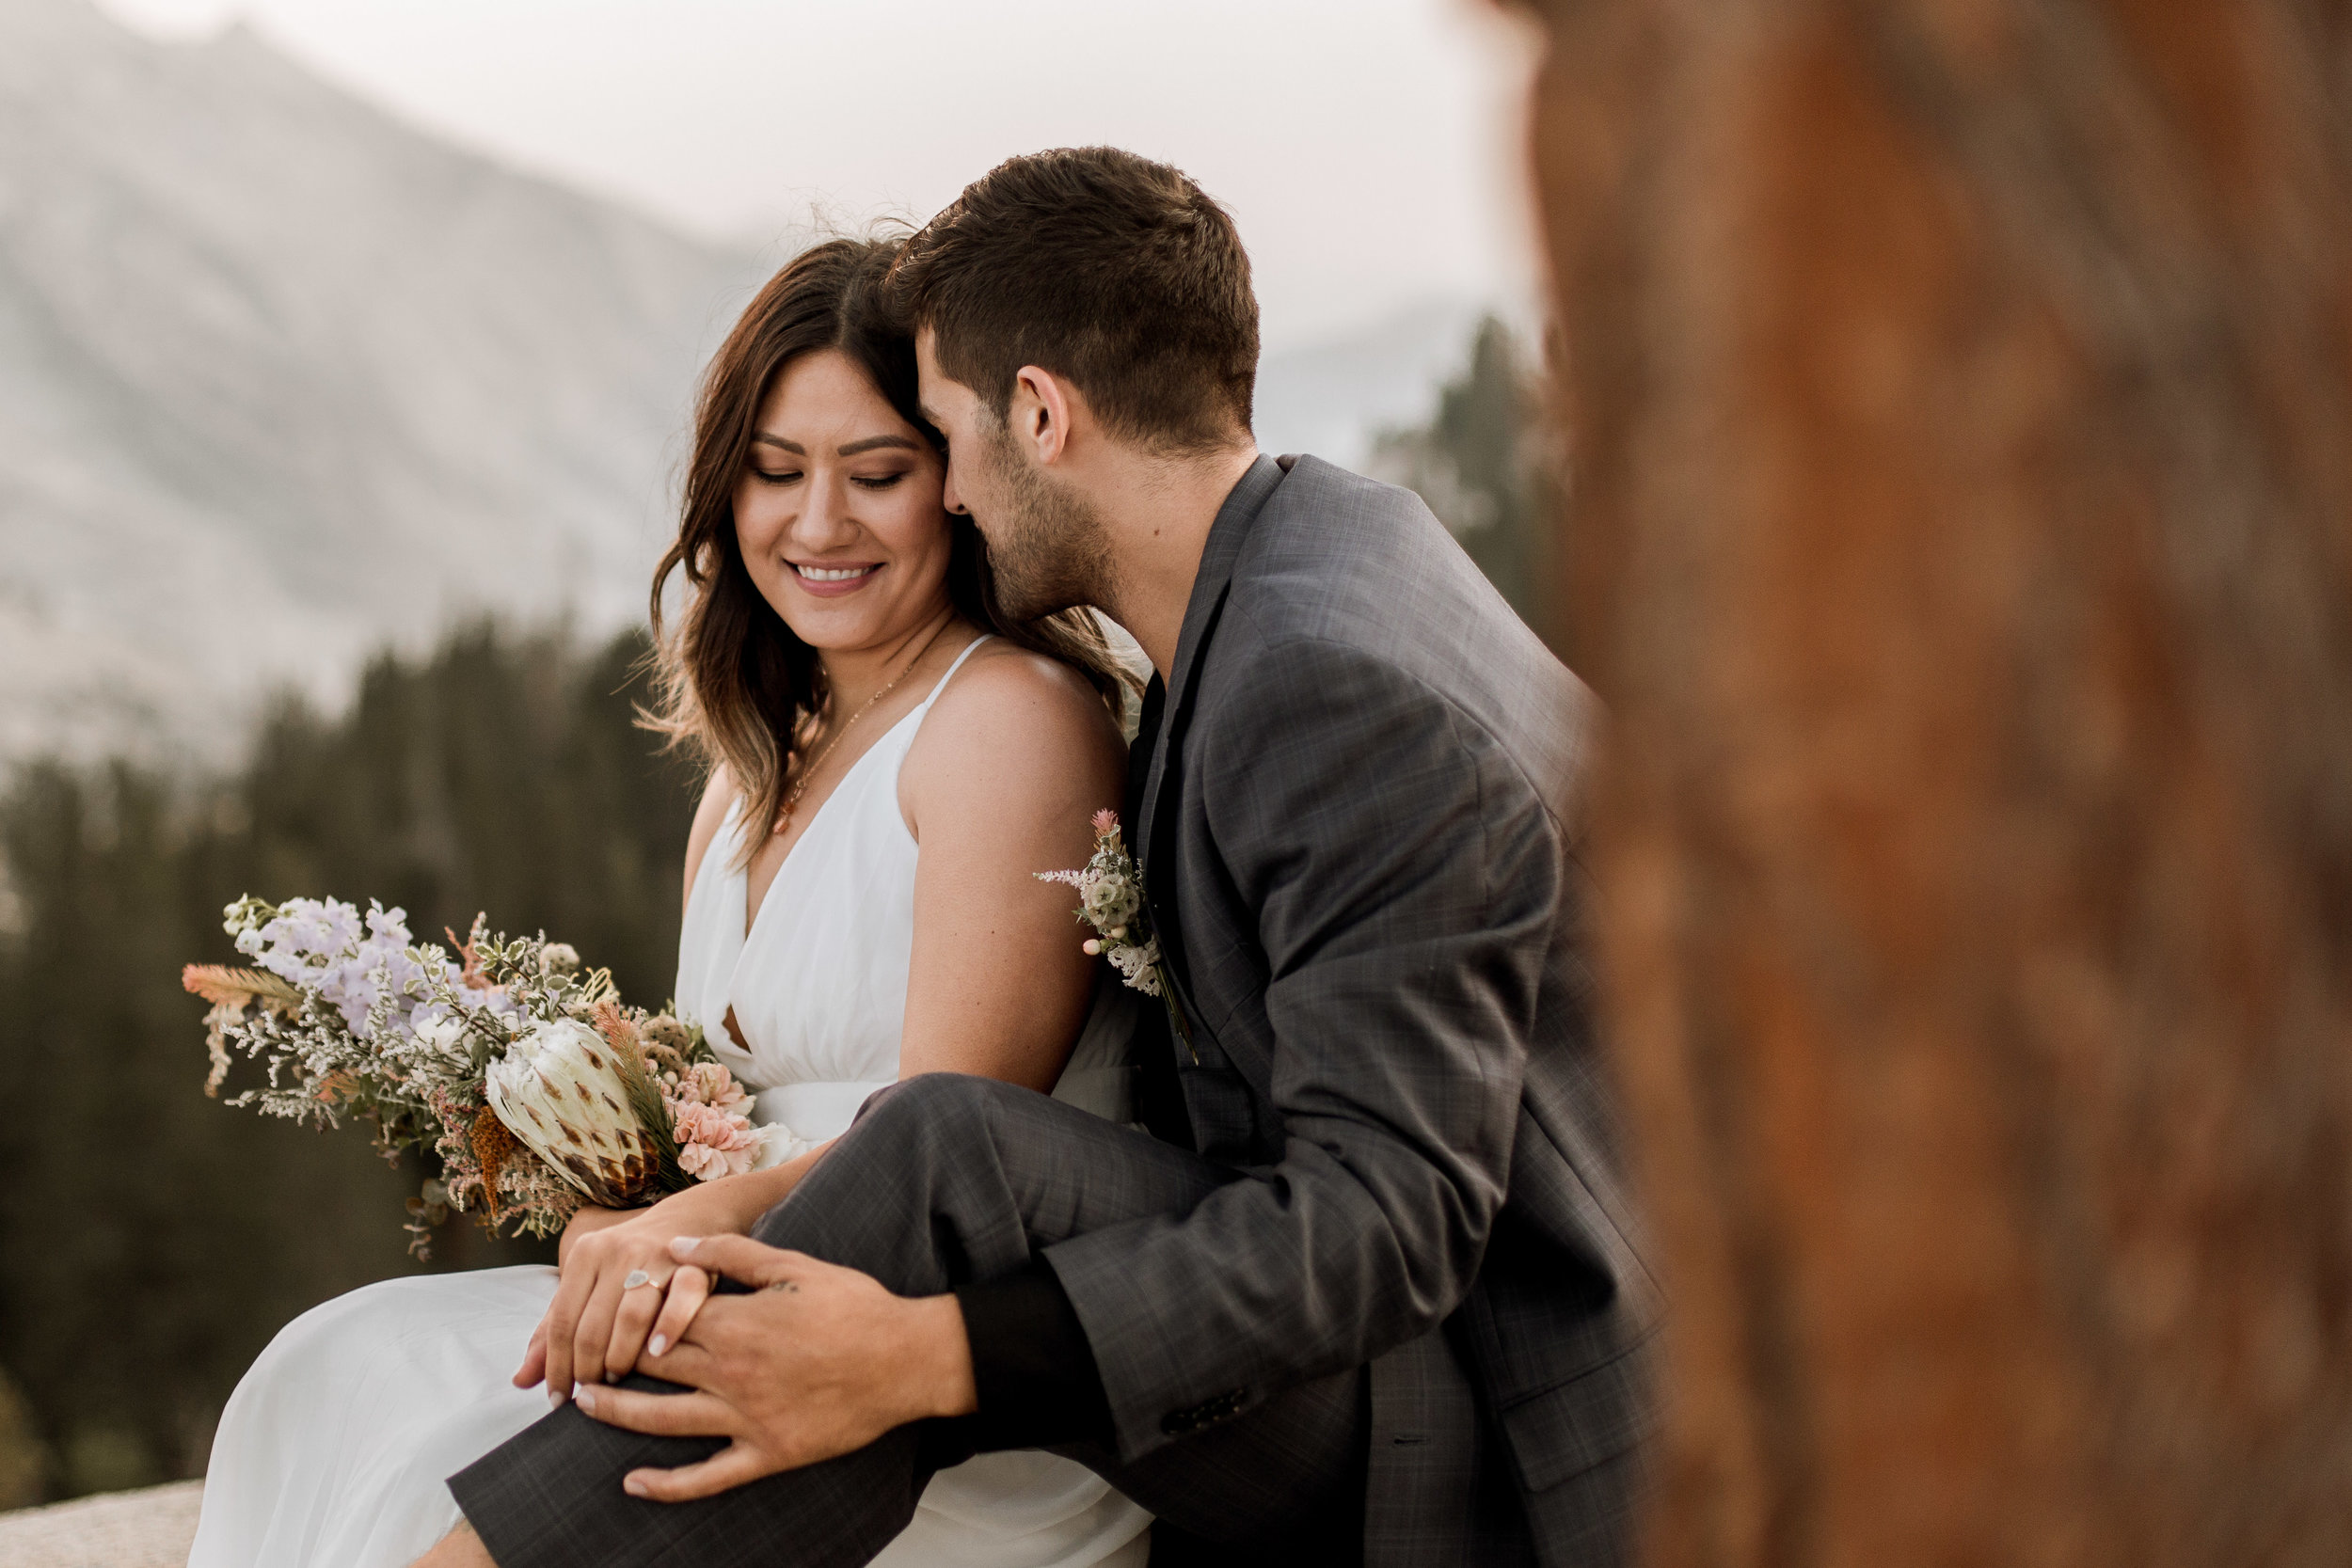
x,y
1000,785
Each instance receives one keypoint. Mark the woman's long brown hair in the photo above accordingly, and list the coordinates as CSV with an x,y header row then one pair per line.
x,y
733,682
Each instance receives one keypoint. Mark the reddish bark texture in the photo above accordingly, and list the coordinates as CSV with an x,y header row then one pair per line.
x,y
1961,401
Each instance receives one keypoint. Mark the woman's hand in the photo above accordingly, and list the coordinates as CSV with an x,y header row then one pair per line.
x,y
598,1323
587,1218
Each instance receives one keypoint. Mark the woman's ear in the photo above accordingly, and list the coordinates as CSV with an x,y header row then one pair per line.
x,y
1042,405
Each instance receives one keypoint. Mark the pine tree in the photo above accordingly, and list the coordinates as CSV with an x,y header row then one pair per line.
x,y
1486,466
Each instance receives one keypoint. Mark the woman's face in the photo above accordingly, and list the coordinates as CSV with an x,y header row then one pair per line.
x,y
838,511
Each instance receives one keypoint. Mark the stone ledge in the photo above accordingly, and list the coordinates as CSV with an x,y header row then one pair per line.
x,y
149,1529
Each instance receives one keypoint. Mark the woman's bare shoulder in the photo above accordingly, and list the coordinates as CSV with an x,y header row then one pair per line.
x,y
1011,713
1006,685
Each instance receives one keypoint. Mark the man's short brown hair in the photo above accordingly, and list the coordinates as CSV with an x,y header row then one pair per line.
x,y
1101,266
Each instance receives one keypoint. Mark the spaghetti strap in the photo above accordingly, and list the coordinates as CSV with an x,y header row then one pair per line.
x,y
969,649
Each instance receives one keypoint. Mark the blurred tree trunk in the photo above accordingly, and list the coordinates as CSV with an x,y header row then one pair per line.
x,y
1961,394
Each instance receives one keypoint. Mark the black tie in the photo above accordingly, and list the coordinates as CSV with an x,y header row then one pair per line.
x,y
1159,1095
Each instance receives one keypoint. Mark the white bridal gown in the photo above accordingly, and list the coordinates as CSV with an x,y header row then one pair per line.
x,y
334,1451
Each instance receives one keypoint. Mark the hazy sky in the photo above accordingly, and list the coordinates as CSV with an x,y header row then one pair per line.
x,y
1368,147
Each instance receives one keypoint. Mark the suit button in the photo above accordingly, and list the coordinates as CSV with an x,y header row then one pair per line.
x,y
1184,1423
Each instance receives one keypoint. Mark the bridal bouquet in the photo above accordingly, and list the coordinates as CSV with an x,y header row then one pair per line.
x,y
526,1076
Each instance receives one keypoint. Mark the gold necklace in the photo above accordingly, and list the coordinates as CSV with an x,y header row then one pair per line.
x,y
792,800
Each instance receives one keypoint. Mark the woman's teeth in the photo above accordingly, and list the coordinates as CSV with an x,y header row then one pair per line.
x,y
841,574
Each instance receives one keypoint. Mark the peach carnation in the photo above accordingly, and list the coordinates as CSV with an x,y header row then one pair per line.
x,y
715,1087
711,1142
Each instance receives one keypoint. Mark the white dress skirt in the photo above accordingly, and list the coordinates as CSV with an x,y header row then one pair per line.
x,y
335,1450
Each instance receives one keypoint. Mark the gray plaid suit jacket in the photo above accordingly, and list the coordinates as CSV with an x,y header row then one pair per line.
x,y
1360,833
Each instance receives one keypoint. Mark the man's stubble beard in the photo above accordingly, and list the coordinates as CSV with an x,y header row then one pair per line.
x,y
1050,550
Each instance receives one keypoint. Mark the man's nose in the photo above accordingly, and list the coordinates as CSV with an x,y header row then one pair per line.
x,y
948,497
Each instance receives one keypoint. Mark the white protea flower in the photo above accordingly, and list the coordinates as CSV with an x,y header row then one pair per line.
x,y
574,1101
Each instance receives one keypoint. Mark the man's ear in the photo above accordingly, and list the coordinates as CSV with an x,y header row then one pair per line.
x,y
1043,406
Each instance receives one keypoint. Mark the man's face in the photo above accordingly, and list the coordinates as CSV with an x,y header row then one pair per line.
x,y
1047,548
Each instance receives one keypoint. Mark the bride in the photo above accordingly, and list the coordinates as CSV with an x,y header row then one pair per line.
x,y
893,759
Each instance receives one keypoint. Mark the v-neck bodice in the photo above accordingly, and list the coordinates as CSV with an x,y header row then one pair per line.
x,y
818,984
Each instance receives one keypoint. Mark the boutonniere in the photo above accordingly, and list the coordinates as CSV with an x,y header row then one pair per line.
x,y
1111,905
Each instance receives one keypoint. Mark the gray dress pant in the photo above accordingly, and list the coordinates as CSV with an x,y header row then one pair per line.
x,y
943,1179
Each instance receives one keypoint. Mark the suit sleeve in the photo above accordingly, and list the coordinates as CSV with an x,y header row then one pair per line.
x,y
1406,878
1032,1367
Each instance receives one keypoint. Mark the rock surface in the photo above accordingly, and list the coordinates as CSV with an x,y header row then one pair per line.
x,y
149,1529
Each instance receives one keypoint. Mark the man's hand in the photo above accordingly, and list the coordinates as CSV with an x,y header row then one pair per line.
x,y
598,1323
817,1362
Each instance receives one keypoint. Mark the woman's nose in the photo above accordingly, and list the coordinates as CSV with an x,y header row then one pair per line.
x,y
824,518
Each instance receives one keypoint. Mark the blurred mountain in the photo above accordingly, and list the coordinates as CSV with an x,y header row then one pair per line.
x,y
1335,397
283,379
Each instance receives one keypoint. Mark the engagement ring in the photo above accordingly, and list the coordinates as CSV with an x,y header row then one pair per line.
x,y
636,1277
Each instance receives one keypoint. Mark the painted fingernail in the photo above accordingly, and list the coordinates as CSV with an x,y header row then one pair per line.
x,y
587,1398
634,1487
681,1245
657,1344
555,1397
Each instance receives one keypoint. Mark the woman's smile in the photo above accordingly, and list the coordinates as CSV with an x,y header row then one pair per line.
x,y
831,580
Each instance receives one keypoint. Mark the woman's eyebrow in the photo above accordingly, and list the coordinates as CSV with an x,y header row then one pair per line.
x,y
871,443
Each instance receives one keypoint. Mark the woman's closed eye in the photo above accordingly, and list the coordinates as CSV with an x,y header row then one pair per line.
x,y
793,476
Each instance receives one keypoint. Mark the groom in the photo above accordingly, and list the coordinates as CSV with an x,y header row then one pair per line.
x,y
1369,1289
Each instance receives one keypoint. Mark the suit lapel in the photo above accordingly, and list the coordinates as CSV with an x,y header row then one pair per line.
x,y
1209,587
